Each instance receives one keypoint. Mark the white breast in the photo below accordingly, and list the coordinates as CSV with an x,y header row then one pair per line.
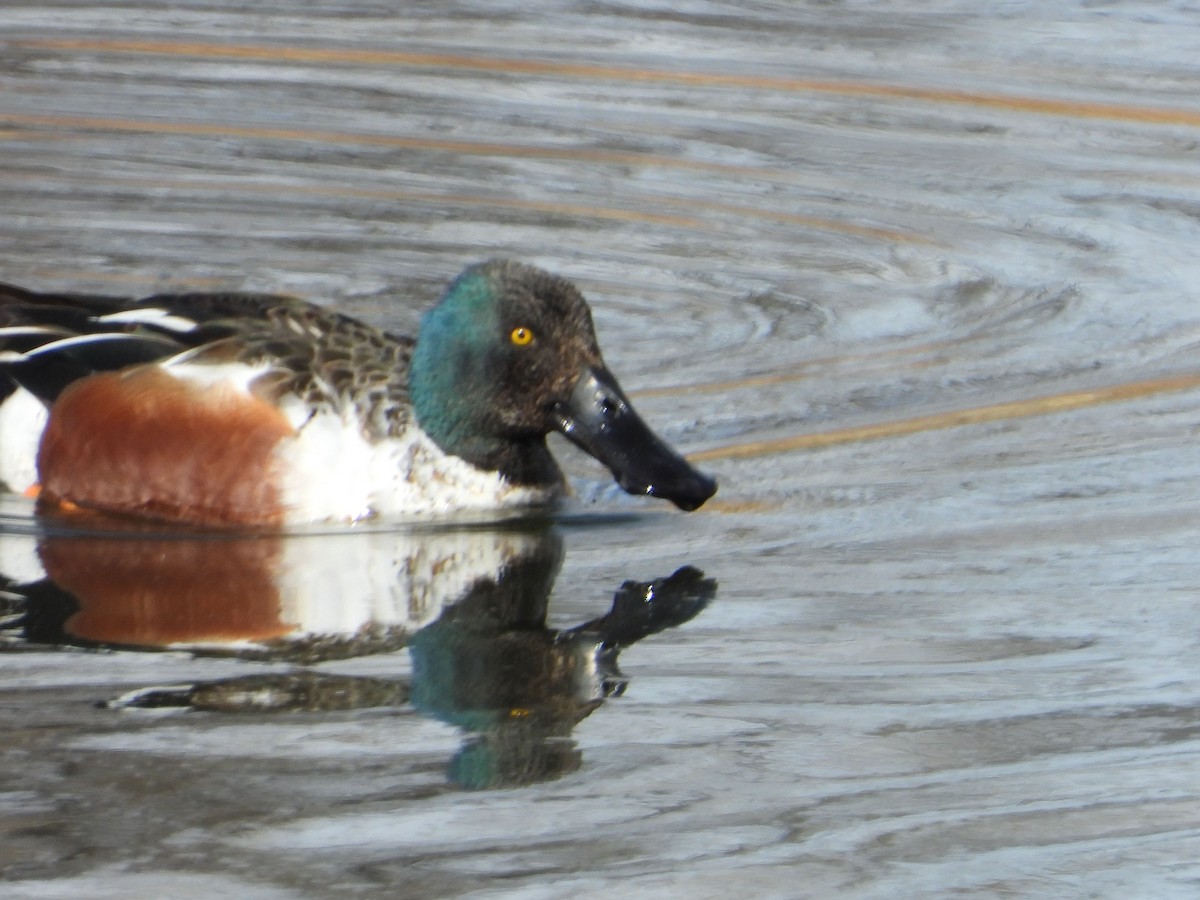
x,y
22,421
330,472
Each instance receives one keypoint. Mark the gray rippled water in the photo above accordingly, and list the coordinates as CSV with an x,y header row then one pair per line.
x,y
915,281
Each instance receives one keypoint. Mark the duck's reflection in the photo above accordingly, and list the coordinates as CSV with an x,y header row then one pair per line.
x,y
300,598
469,603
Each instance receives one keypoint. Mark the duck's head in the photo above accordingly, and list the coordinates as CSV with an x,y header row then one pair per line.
x,y
508,355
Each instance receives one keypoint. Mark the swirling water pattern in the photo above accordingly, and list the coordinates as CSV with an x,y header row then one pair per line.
x,y
917,281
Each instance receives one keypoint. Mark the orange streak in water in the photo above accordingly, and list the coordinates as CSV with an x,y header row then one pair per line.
x,y
592,71
1037,406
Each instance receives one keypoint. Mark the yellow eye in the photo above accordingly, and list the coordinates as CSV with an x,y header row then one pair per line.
x,y
521,336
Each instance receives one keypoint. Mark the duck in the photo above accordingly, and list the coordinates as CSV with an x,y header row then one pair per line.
x,y
264,410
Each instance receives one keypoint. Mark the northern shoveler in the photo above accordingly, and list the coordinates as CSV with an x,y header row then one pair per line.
x,y
256,409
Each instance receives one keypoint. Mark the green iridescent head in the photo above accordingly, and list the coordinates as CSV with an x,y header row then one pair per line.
x,y
509,354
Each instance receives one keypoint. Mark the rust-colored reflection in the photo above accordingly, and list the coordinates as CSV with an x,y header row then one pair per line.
x,y
302,597
157,593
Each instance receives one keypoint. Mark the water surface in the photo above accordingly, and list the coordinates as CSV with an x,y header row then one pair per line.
x,y
916,282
